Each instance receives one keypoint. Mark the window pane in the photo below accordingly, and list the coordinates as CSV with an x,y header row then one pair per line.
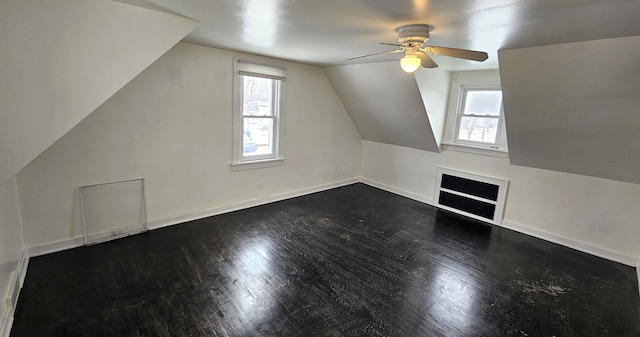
x,y
258,137
257,96
477,129
483,102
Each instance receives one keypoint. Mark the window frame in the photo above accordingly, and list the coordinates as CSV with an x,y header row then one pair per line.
x,y
277,75
464,89
489,79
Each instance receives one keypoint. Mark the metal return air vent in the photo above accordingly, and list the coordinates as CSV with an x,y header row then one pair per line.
x,y
475,196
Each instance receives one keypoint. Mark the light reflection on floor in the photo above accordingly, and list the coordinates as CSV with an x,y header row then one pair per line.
x,y
252,294
453,296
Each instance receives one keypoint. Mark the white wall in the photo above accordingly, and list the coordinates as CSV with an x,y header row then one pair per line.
x,y
597,214
172,125
11,246
61,59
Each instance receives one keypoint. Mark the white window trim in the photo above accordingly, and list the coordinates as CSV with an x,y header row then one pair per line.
x,y
248,67
486,151
464,89
489,79
250,165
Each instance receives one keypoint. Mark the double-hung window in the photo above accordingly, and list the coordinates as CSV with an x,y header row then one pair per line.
x,y
479,116
475,118
258,115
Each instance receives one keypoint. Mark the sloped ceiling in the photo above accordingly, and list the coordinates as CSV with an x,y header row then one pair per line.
x,y
575,107
61,59
384,103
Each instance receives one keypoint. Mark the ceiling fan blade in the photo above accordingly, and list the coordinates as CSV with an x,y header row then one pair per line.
x,y
426,61
374,54
458,53
391,44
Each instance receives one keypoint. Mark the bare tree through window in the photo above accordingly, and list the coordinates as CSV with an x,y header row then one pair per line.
x,y
479,118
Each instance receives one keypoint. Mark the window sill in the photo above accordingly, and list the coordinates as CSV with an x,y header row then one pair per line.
x,y
476,150
241,166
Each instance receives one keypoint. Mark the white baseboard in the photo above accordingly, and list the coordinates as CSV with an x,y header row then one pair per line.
x,y
56,246
6,321
401,192
571,243
247,204
10,301
22,267
100,237
8,308
638,272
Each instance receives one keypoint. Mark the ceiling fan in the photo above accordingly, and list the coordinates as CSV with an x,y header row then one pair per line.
x,y
411,40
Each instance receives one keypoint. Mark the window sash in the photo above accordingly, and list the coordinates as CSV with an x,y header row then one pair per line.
x,y
273,140
461,114
274,85
479,142
465,94
275,108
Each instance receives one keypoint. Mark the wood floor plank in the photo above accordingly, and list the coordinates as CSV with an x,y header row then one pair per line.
x,y
352,261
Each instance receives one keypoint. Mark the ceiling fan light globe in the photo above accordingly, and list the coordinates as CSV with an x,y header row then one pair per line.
x,y
410,63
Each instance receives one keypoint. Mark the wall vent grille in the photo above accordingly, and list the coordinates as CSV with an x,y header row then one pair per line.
x,y
476,196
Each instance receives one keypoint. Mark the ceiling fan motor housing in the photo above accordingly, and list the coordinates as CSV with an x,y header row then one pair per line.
x,y
413,35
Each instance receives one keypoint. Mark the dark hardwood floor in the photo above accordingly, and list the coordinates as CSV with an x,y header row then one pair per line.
x,y
352,261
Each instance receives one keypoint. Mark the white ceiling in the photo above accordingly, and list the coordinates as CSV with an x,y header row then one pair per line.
x,y
327,32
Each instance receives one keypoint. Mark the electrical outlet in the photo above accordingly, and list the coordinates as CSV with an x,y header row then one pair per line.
x,y
260,185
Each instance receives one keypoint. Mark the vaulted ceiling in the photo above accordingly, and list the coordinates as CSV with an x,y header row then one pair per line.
x,y
62,59
595,136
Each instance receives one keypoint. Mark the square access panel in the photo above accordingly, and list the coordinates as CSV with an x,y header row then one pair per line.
x,y
113,210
